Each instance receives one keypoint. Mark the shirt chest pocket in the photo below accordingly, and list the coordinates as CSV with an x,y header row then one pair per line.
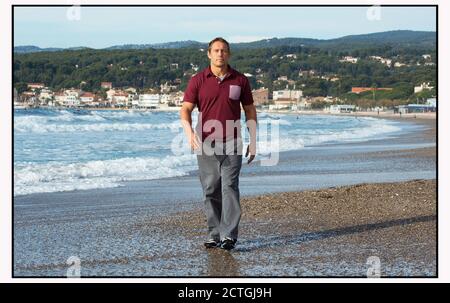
x,y
235,92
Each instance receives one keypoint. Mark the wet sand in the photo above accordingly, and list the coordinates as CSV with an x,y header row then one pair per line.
x,y
328,225
330,232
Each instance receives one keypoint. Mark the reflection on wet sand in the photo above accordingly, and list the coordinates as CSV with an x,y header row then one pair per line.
x,y
222,263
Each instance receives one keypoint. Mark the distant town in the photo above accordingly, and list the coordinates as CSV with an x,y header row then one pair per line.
x,y
283,78
40,96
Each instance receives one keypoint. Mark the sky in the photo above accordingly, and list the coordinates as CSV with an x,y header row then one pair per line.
x,y
100,27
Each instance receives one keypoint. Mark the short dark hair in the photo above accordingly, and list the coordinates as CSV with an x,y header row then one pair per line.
x,y
218,39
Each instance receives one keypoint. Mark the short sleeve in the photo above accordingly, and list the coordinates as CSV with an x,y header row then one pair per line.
x,y
191,92
246,96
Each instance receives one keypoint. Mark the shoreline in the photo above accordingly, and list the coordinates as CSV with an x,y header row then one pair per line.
x,y
373,114
382,114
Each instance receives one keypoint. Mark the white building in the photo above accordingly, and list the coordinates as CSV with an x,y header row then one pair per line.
x,y
71,100
71,97
287,94
432,102
349,59
120,99
87,99
421,87
110,94
166,87
344,108
382,60
45,95
165,98
149,100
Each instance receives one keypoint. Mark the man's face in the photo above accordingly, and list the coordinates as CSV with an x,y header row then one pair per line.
x,y
219,54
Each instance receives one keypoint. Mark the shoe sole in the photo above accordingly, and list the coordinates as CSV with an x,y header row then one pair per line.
x,y
227,246
211,245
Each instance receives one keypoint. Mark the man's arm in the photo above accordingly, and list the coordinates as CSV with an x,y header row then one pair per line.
x,y
186,122
251,120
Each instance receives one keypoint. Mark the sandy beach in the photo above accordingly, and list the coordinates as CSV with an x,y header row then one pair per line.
x,y
320,212
331,232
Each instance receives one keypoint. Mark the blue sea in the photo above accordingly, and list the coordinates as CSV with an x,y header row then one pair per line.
x,y
64,150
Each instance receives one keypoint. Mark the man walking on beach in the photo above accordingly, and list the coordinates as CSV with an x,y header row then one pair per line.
x,y
218,92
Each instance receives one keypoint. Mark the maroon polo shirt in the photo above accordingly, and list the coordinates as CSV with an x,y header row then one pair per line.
x,y
218,101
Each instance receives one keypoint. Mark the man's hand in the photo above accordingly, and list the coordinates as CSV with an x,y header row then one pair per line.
x,y
194,141
251,149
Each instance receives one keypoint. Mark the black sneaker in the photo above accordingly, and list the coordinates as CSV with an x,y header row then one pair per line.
x,y
228,243
212,243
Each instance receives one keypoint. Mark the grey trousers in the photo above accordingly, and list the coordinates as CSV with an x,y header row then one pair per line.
x,y
219,176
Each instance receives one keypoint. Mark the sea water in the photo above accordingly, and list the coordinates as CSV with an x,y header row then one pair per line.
x,y
63,150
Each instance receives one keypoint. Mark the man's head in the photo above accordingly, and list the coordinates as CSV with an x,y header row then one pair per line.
x,y
219,52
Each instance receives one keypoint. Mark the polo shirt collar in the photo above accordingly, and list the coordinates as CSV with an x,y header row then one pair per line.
x,y
209,72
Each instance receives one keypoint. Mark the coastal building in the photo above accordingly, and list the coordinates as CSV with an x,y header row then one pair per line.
x,y
260,96
28,98
133,99
432,102
341,108
414,108
59,97
281,104
178,98
120,99
302,105
45,96
287,95
167,88
87,99
149,100
71,101
71,97
165,98
110,94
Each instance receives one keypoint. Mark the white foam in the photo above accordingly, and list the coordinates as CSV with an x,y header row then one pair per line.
x,y
295,139
38,125
57,176
62,176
